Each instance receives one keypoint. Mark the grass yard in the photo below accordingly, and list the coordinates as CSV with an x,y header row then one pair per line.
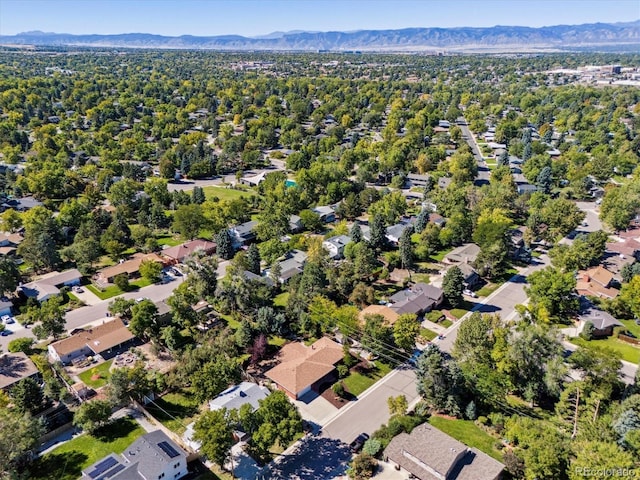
x,y
223,193
102,370
421,277
67,461
468,433
427,334
231,322
627,351
438,256
114,291
168,240
281,299
357,382
488,289
175,410
462,310
277,341
446,322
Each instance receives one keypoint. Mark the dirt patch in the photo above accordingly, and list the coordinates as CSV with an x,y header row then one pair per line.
x,y
333,399
162,362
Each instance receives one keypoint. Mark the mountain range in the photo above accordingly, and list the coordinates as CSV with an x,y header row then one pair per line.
x,y
594,36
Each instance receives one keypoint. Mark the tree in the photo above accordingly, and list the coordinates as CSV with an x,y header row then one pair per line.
x,y
224,244
377,233
188,220
18,435
421,220
397,405
474,342
10,221
439,381
90,416
27,396
406,248
278,421
151,270
198,196
544,180
215,376
362,467
144,320
405,331
9,276
356,233
629,295
122,281
553,291
311,221
253,259
587,330
121,306
38,249
215,431
128,384
22,344
453,286
608,457
51,317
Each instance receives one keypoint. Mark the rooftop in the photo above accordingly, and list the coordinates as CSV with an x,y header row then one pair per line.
x,y
239,395
15,367
98,339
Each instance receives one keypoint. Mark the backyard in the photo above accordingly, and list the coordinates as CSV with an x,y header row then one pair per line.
x,y
97,376
468,433
68,460
223,193
175,410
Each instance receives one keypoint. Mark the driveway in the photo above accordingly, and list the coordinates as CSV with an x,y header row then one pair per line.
x,y
314,408
87,296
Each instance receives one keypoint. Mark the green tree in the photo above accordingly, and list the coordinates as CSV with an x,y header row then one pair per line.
x,y
144,320
406,249
22,344
601,455
553,291
39,250
453,286
377,233
151,270
121,306
629,295
397,405
27,396
405,331
50,316
9,276
224,244
440,382
19,434
128,384
122,282
474,342
188,220
278,420
215,431
311,221
253,259
362,467
198,196
90,416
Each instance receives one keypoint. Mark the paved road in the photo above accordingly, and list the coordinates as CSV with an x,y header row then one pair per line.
x,y
483,171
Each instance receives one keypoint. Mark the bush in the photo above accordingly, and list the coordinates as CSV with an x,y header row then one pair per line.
x,y
343,371
338,389
372,447
362,467
482,420
587,330
122,282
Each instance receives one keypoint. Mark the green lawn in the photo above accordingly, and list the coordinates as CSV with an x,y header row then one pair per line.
x,y
277,341
223,193
440,255
627,351
632,327
428,334
357,383
421,277
175,410
68,460
446,322
488,289
281,299
231,322
102,370
168,240
468,433
114,291
462,310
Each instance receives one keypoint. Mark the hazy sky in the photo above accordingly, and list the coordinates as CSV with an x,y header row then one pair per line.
x,y
259,17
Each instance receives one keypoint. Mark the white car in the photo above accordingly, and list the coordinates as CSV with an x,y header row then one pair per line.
x,y
470,293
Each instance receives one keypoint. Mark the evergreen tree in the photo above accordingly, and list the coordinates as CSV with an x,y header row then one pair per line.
x,y
377,233
197,195
253,259
356,233
421,220
503,159
406,248
453,286
544,180
224,244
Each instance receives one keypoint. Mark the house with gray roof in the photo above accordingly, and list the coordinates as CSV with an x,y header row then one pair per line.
x,y
326,213
152,456
239,395
466,253
603,322
335,245
429,454
49,285
417,299
394,232
244,233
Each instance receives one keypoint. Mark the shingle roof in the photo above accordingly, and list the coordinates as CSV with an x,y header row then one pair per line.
x,y
150,457
15,367
129,266
389,315
302,366
239,395
180,252
101,334
466,253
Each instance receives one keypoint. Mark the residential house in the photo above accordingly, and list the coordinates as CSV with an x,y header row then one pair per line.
x,y
305,368
418,299
394,232
390,316
437,219
444,182
152,456
9,243
603,322
105,340
429,454
22,204
335,245
471,277
255,180
467,253
179,253
326,213
292,265
295,224
523,188
628,247
243,234
15,367
49,285
596,282
519,249
417,180
252,277
239,395
131,268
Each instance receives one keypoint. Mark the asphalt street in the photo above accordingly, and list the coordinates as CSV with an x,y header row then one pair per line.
x,y
483,171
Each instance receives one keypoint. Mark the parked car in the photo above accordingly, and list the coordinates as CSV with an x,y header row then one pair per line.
x,y
5,333
8,319
414,358
358,443
470,293
77,289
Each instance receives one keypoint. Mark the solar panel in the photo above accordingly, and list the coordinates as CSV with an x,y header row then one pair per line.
x,y
102,467
112,472
168,449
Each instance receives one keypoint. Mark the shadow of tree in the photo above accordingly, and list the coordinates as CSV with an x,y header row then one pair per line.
x,y
118,429
61,466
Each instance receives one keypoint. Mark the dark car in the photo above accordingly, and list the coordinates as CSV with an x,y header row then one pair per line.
x,y
357,444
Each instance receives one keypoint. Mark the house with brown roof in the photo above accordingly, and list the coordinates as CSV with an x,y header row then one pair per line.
x,y
429,454
629,247
180,253
9,243
15,367
105,340
130,267
596,282
305,368
390,316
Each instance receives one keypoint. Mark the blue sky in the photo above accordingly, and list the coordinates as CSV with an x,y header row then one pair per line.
x,y
259,17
